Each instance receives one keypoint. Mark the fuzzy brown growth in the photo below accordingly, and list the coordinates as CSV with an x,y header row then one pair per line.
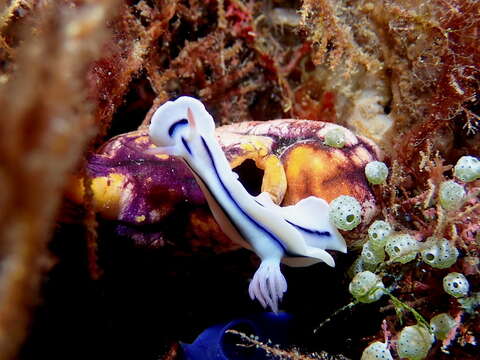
x,y
439,95
45,125
420,58
243,60
212,50
135,31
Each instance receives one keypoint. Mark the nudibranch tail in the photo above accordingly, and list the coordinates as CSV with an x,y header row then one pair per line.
x,y
308,218
268,284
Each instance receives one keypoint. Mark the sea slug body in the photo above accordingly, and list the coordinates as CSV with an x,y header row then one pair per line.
x,y
297,235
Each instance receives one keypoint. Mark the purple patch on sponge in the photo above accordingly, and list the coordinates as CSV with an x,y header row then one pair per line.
x,y
152,184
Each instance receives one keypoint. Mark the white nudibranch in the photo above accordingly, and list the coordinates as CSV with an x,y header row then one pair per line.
x,y
297,235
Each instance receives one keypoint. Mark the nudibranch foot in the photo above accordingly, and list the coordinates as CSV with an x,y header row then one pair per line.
x,y
268,284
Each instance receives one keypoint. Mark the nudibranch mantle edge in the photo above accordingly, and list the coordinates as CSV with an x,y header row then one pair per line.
x,y
298,235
